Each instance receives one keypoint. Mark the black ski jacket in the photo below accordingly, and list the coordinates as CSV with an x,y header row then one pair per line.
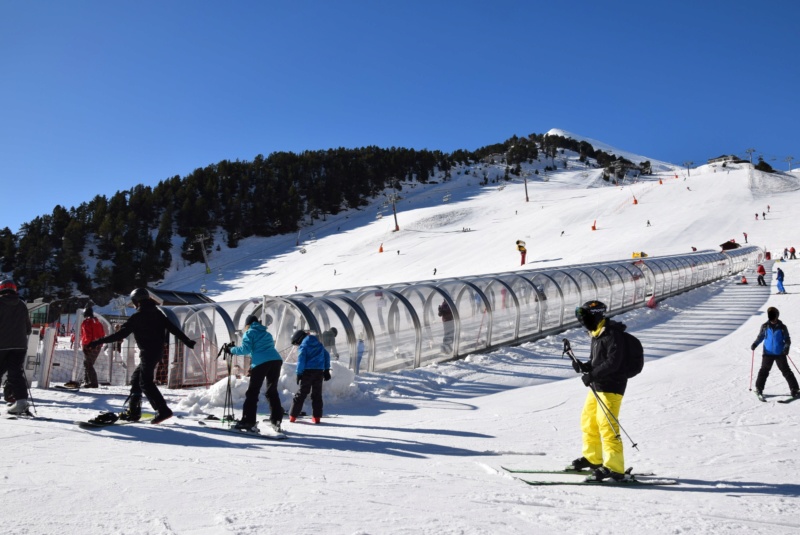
x,y
607,356
15,323
149,327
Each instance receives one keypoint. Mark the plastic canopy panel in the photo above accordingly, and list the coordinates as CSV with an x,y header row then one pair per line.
x,y
549,294
504,304
427,300
210,327
616,284
528,303
395,326
571,296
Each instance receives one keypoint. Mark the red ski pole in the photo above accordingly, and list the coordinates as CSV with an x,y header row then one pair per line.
x,y
752,361
793,364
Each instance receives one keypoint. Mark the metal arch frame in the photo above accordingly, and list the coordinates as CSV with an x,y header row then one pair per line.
x,y
694,269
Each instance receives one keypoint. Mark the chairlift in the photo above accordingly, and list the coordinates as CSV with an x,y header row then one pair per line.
x,y
302,250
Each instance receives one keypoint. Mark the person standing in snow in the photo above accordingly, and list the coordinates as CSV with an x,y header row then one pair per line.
x,y
745,236
15,327
313,367
781,289
761,272
91,329
777,342
328,340
792,253
265,364
149,327
602,445
449,328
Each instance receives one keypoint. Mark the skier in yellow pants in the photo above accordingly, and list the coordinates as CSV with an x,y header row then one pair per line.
x,y
602,445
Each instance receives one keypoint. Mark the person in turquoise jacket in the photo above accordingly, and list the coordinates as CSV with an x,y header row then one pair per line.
x,y
265,363
313,367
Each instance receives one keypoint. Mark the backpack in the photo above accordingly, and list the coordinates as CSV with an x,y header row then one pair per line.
x,y
634,356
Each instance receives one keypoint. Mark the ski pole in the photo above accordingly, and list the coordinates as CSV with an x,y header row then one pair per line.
x,y
607,412
30,393
793,364
752,361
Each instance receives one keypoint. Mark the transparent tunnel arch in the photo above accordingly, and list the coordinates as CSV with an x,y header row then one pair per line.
x,y
407,325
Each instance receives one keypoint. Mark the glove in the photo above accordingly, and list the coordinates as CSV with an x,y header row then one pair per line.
x,y
753,347
190,344
299,377
227,348
327,375
93,344
587,379
581,367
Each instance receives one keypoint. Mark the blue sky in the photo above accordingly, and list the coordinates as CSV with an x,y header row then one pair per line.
x,y
100,96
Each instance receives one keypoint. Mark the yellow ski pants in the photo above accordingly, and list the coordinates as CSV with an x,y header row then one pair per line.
x,y
600,442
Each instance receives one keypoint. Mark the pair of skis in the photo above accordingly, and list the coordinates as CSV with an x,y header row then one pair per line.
x,y
634,480
761,397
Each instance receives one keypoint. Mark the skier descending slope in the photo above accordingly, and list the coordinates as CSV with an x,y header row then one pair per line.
x,y
604,373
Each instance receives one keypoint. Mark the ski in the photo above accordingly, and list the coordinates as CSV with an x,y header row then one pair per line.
x,y
606,482
788,400
28,415
68,388
213,425
568,472
761,397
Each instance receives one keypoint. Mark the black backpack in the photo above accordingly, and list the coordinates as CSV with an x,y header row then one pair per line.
x,y
634,356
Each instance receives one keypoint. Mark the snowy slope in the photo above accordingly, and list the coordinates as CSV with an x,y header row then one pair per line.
x,y
420,451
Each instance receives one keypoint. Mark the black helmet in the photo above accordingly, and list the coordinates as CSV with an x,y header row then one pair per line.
x,y
8,287
773,313
590,314
88,312
139,295
334,331
251,319
298,337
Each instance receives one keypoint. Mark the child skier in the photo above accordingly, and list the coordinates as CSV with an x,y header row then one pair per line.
x,y
313,366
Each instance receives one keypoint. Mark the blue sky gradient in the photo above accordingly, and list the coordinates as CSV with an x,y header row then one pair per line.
x,y
100,96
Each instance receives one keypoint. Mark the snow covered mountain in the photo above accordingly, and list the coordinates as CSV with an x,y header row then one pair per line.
x,y
421,451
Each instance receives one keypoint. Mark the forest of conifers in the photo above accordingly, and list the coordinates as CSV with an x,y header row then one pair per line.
x,y
130,235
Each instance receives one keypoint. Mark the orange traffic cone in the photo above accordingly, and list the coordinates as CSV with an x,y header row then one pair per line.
x,y
381,249
635,201
594,225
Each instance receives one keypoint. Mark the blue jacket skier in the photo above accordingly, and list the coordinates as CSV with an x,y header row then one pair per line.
x,y
781,289
313,367
776,340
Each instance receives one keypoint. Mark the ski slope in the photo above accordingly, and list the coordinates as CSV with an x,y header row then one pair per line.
x,y
420,451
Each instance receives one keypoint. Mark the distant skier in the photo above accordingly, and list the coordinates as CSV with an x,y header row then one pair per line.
x,y
761,272
756,216
792,253
434,272
562,232
745,236
648,223
781,289
776,340
449,329
763,215
91,329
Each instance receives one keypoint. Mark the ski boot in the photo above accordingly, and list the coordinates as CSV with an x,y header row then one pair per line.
x,y
582,464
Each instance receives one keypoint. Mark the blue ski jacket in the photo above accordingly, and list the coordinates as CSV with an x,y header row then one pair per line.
x,y
775,337
257,343
311,355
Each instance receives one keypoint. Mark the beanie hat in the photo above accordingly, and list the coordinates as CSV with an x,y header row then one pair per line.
x,y
773,313
251,319
88,312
